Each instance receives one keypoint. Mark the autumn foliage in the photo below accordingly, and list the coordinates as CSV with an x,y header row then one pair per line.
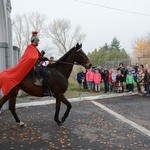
x,y
142,51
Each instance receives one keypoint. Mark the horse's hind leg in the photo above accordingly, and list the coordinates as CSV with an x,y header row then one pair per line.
x,y
3,100
12,105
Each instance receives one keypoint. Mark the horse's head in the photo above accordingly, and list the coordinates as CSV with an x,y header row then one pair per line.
x,y
81,58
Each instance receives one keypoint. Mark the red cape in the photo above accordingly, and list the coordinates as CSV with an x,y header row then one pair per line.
x,y
9,78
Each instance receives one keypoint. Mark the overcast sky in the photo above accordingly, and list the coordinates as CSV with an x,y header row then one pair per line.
x,y
101,24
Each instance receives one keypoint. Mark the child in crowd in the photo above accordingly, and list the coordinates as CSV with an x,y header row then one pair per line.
x,y
90,79
97,80
122,69
140,80
114,74
134,74
147,81
84,79
105,74
79,78
130,82
110,80
119,80
125,75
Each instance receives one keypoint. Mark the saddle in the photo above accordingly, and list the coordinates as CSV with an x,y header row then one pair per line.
x,y
37,79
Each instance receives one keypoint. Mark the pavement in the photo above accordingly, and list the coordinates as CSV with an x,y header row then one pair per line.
x,y
105,122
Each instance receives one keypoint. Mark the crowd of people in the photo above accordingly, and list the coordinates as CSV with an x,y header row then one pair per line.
x,y
119,80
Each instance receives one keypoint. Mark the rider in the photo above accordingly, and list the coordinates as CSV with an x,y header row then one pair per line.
x,y
11,77
43,72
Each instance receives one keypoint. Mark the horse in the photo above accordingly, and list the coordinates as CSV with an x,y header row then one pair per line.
x,y
60,72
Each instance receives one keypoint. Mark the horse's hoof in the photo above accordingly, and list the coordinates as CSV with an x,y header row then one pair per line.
x,y
59,124
22,124
63,119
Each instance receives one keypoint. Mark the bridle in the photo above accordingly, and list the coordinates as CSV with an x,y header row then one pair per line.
x,y
67,63
79,49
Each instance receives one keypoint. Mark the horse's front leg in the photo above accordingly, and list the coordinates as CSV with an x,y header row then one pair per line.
x,y
69,106
56,116
61,98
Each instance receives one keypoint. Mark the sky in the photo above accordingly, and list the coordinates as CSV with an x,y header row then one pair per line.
x,y
100,20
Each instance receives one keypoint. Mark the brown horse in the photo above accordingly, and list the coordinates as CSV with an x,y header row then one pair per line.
x,y
60,72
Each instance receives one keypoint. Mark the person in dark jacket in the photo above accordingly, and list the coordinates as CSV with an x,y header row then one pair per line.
x,y
122,69
147,81
136,67
84,79
119,80
105,75
79,77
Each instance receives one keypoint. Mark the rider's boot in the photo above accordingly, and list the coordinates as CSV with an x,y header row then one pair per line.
x,y
46,91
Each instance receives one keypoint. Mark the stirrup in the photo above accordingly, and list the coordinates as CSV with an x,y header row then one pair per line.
x,y
48,94
52,94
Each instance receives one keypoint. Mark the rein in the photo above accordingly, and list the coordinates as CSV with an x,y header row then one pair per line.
x,y
67,63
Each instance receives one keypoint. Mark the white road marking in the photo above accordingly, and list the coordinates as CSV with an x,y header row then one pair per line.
x,y
123,119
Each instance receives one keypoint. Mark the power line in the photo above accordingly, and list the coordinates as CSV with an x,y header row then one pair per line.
x,y
117,9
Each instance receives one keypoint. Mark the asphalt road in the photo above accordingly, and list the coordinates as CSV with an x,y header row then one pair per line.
x,y
88,127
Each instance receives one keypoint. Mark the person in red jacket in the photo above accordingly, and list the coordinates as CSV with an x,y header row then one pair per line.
x,y
97,80
90,79
10,77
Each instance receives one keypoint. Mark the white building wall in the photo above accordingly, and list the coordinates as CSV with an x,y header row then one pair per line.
x,y
16,55
3,34
6,50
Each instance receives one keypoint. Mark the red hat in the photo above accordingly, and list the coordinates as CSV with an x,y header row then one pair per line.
x,y
34,32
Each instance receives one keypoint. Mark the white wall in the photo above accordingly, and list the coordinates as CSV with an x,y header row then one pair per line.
x,y
6,50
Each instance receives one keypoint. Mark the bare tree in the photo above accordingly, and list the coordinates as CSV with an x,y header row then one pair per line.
x,y
48,50
18,31
60,33
24,24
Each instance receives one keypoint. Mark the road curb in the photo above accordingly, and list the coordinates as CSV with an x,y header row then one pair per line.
x,y
52,101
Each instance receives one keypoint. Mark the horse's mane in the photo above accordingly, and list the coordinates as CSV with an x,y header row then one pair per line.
x,y
65,55
61,59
